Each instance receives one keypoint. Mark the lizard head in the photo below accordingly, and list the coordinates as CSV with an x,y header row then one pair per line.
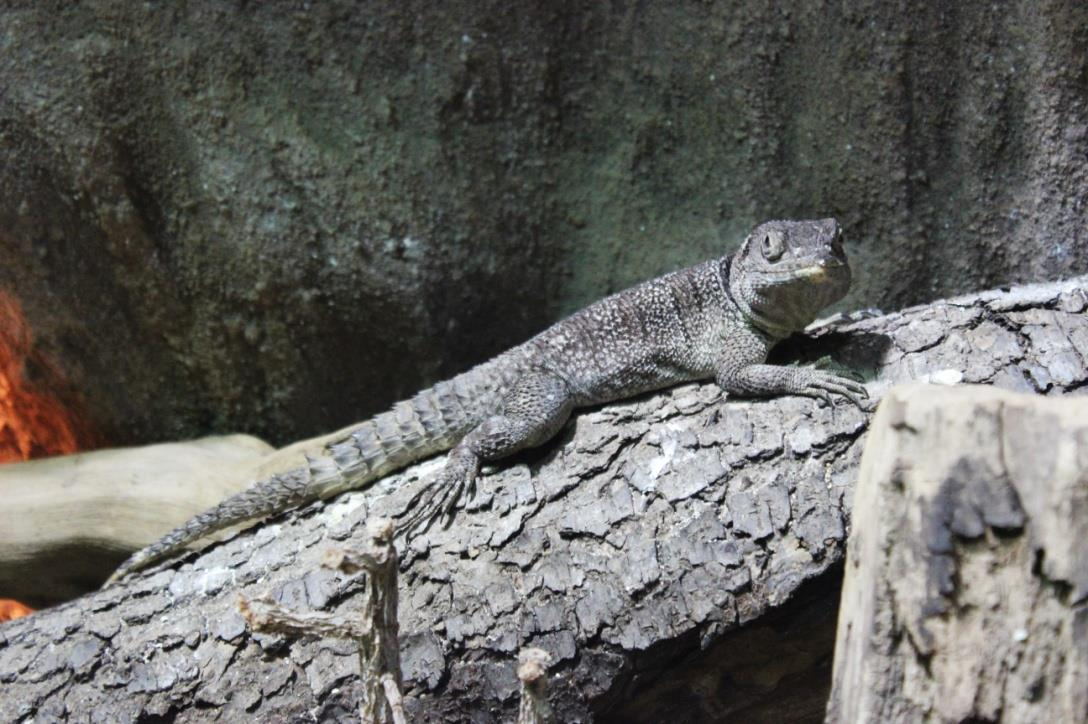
x,y
787,271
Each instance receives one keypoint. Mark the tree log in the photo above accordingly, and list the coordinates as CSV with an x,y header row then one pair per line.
x,y
967,572
650,531
67,521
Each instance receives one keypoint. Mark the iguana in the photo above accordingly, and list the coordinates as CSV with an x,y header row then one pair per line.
x,y
716,320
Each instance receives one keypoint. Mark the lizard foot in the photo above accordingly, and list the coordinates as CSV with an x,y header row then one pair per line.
x,y
439,500
822,385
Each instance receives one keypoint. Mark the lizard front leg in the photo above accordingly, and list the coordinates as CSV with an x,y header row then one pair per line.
x,y
765,380
533,411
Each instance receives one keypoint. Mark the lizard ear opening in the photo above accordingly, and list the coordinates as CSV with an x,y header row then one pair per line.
x,y
743,251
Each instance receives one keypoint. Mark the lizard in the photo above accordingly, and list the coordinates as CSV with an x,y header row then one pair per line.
x,y
715,320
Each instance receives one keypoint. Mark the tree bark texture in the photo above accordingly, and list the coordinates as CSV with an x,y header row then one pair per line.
x,y
967,573
650,531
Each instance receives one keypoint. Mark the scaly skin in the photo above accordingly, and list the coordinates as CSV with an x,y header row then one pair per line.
x,y
715,320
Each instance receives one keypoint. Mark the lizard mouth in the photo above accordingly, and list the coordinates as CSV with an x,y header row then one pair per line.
x,y
818,271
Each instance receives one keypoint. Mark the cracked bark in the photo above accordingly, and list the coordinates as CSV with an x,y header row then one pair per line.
x,y
651,531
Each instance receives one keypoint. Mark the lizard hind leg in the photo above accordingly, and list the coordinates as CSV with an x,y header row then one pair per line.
x,y
534,409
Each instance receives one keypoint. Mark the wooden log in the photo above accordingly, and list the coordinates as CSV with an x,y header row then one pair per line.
x,y
67,521
652,531
967,567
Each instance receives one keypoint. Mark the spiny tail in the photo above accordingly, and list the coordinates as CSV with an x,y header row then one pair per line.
x,y
432,421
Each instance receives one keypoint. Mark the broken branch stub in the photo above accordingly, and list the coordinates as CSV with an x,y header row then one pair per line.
x,y
372,627
533,675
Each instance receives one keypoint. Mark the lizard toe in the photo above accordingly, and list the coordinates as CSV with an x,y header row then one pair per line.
x,y
439,501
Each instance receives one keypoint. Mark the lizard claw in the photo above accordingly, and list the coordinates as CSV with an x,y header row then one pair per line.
x,y
463,491
439,500
450,508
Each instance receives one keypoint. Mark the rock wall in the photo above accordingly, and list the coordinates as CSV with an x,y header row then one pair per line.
x,y
278,217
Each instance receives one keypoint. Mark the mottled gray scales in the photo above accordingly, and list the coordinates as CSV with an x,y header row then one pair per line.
x,y
714,320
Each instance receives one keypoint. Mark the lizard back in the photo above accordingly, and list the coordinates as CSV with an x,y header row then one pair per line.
x,y
660,333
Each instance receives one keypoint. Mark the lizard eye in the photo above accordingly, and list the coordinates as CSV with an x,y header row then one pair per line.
x,y
772,247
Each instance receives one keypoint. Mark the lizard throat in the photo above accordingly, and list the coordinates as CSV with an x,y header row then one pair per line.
x,y
739,301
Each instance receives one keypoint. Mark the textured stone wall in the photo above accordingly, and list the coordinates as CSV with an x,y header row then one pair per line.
x,y
278,217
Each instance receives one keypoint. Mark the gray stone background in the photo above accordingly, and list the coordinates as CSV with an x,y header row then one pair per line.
x,y
278,217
